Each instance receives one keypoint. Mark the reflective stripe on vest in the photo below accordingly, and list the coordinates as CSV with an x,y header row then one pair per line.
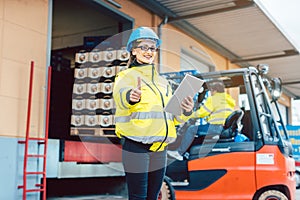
x,y
151,139
143,115
122,100
223,110
206,108
217,120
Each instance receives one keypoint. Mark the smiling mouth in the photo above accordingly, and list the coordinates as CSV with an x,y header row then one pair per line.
x,y
148,57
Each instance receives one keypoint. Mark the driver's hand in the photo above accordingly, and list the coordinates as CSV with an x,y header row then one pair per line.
x,y
187,104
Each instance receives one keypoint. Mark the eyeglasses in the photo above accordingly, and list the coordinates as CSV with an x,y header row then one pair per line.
x,y
146,48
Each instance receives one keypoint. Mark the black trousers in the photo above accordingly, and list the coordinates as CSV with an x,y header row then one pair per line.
x,y
144,170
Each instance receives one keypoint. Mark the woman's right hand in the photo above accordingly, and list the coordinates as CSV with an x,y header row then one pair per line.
x,y
135,94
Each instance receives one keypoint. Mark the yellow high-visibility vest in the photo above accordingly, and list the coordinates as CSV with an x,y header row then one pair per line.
x,y
145,121
216,108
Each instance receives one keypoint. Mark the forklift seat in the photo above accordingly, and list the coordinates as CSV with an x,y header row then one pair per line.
x,y
247,129
227,132
232,126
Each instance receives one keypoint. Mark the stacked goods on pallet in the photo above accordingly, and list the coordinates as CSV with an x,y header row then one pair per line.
x,y
93,107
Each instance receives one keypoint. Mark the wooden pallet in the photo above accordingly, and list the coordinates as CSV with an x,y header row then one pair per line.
x,y
104,132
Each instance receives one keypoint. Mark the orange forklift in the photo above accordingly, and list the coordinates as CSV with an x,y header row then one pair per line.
x,y
261,167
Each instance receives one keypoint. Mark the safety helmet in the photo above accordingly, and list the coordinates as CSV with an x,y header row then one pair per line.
x,y
142,33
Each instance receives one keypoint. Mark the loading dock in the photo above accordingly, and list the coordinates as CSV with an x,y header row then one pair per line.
x,y
85,163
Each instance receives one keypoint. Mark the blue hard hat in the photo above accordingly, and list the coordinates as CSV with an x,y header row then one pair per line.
x,y
142,33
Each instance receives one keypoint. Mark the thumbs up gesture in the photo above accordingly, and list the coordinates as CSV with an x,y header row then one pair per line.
x,y
135,94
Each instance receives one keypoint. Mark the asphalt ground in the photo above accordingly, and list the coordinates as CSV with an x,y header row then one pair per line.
x,y
115,197
92,197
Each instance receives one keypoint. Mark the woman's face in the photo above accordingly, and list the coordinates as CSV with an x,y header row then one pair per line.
x,y
145,52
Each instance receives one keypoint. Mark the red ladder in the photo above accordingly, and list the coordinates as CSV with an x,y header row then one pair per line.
x,y
40,187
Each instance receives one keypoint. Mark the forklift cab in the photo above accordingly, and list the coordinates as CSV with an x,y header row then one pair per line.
x,y
224,168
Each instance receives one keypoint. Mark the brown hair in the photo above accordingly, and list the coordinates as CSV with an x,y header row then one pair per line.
x,y
216,86
132,57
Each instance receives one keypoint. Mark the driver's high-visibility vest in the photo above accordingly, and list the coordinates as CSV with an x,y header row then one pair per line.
x,y
216,108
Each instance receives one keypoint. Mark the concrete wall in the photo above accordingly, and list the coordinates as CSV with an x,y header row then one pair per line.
x,y
23,38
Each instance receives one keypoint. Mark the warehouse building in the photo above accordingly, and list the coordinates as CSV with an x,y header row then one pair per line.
x,y
203,37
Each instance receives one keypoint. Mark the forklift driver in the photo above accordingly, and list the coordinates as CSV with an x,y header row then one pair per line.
x,y
215,110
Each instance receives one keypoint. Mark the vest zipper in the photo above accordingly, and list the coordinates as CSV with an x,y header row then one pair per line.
x,y
163,104
149,87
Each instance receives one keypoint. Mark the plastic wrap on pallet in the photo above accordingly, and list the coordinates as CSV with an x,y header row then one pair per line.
x,y
94,72
81,57
106,88
99,104
80,73
95,56
93,107
77,120
92,104
79,89
123,54
78,104
90,120
106,104
109,55
109,71
93,88
106,120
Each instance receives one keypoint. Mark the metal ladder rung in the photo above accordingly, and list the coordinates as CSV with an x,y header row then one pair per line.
x,y
35,190
36,138
29,173
40,140
36,156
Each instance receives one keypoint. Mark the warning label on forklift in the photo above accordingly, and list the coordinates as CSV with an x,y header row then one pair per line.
x,y
265,158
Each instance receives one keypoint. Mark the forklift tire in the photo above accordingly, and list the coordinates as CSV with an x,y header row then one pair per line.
x,y
272,195
297,179
167,191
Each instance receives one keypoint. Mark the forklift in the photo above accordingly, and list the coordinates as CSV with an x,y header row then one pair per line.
x,y
217,168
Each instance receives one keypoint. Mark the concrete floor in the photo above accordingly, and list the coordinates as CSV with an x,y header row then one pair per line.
x,y
92,197
114,197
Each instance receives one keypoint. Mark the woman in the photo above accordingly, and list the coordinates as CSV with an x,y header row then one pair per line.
x,y
140,95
